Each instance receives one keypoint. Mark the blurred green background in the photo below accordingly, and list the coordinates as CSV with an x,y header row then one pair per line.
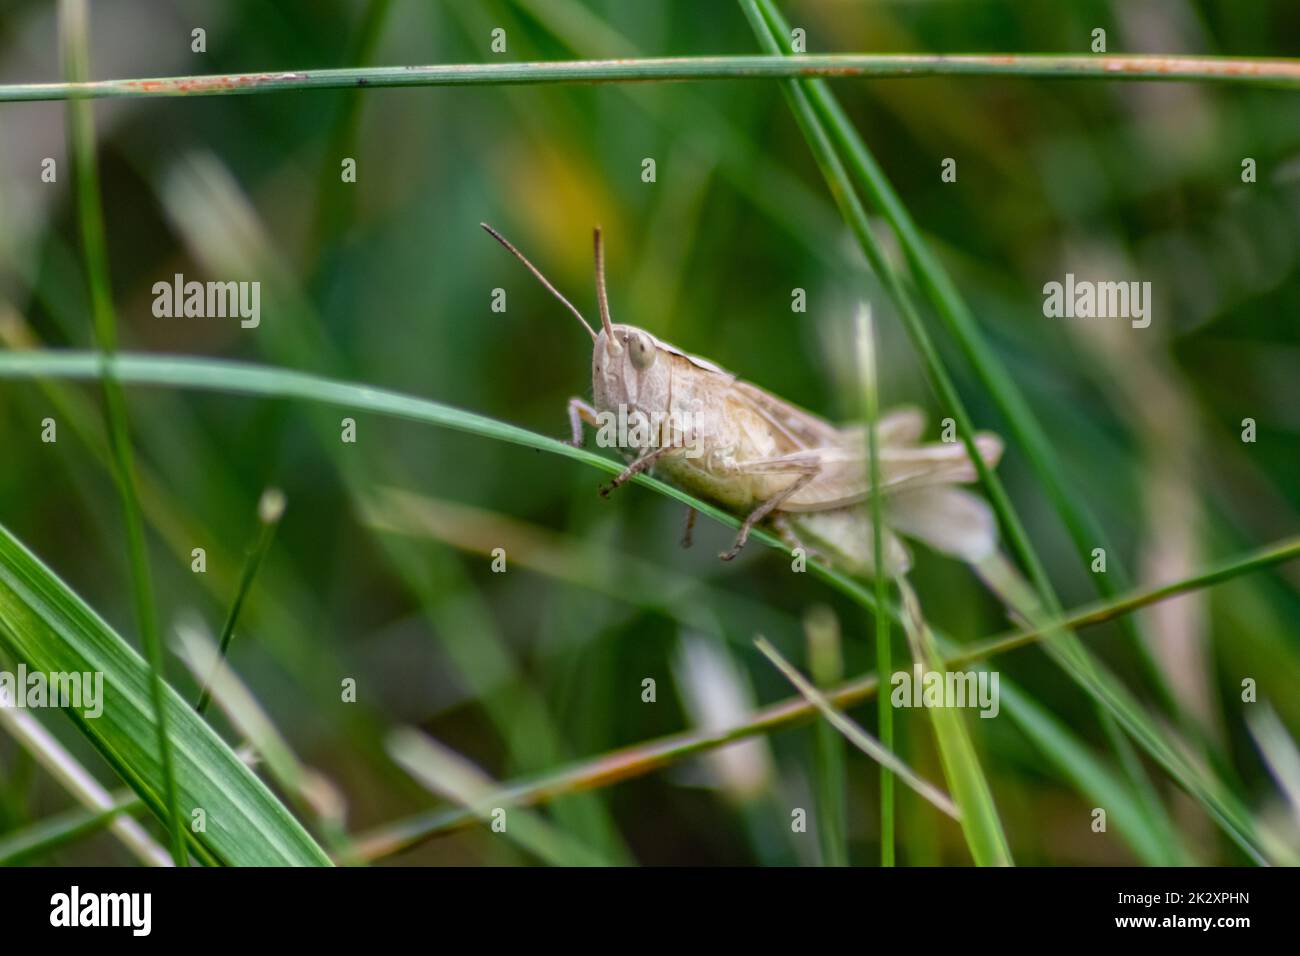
x,y
389,281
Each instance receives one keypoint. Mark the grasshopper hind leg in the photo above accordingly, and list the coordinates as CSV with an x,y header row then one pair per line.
x,y
766,508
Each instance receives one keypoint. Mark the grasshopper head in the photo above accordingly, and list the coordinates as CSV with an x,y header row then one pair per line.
x,y
626,369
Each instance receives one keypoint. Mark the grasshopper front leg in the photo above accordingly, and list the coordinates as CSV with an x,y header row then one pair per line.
x,y
641,464
579,412
688,529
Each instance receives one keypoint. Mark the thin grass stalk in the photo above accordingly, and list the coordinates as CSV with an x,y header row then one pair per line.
x,y
78,781
826,664
73,23
866,340
333,208
1282,73
47,624
859,737
449,774
1281,755
270,508
54,833
985,838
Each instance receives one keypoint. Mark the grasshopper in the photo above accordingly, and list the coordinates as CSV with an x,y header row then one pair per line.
x,y
743,448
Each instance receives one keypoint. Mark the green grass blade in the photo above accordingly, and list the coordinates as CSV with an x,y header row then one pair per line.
x,y
855,216
933,279
979,815
312,794
827,133
1089,775
73,30
48,627
1105,689
239,378
826,664
1280,753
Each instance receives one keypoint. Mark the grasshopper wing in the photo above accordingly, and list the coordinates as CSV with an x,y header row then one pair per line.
x,y
842,476
800,428
840,454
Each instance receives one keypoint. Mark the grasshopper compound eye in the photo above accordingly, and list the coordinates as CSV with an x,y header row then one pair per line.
x,y
641,350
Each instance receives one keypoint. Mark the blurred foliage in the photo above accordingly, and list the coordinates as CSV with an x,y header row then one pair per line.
x,y
389,282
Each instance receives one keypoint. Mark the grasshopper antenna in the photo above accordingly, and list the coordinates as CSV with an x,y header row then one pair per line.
x,y
543,280
598,245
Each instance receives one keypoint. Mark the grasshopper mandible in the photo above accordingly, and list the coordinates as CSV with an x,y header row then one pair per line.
x,y
744,448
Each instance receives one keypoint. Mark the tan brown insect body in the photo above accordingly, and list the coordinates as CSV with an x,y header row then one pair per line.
x,y
749,451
